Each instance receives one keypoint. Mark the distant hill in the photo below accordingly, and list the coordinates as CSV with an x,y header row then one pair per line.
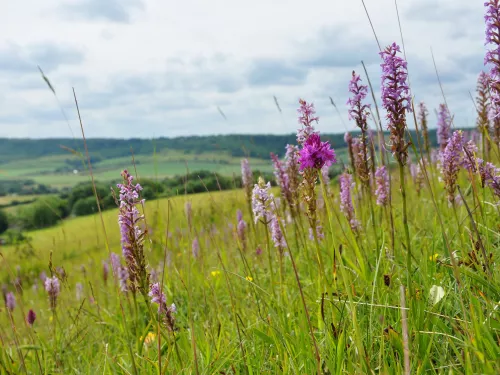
x,y
256,146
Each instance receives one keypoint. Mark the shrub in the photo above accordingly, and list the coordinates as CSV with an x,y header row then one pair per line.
x,y
4,222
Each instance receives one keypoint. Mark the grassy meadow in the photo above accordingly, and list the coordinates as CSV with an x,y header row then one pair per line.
x,y
239,307
392,267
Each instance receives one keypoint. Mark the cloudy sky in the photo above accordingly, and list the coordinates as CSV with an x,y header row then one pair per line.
x,y
151,68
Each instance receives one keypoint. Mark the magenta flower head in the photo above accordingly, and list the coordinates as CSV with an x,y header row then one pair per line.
x,y
396,99
346,206
31,317
358,111
443,126
382,181
306,118
53,288
450,163
10,301
315,154
165,312
132,237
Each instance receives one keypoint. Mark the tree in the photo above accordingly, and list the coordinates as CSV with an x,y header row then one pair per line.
x,y
4,222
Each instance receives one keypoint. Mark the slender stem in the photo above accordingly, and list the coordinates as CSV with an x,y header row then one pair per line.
x,y
405,224
269,257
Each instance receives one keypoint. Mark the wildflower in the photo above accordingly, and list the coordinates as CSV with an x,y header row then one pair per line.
x,y
306,118
149,339
195,247
123,278
43,276
319,233
316,154
346,205
261,199
450,163
246,178
444,126
30,318
249,278
240,229
469,159
292,171
483,104
215,273
282,178
382,182
396,99
492,57
53,289
422,119
490,175
358,112
105,271
189,213
115,263
239,216
258,251
79,291
419,176
166,312
132,237
277,234
10,301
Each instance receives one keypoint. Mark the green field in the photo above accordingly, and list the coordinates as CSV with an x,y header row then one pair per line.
x,y
43,170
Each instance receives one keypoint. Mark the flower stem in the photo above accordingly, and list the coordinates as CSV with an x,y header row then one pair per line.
x,y
405,224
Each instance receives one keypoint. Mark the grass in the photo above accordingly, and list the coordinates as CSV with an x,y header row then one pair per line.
x,y
237,321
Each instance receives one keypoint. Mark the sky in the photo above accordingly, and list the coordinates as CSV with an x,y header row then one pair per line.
x,y
151,68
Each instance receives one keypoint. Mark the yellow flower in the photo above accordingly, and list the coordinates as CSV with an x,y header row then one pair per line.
x,y
249,278
150,337
215,273
434,257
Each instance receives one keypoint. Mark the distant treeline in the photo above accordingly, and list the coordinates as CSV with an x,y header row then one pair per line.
x,y
24,187
258,146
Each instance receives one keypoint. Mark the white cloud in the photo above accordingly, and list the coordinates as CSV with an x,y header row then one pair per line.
x,y
161,68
